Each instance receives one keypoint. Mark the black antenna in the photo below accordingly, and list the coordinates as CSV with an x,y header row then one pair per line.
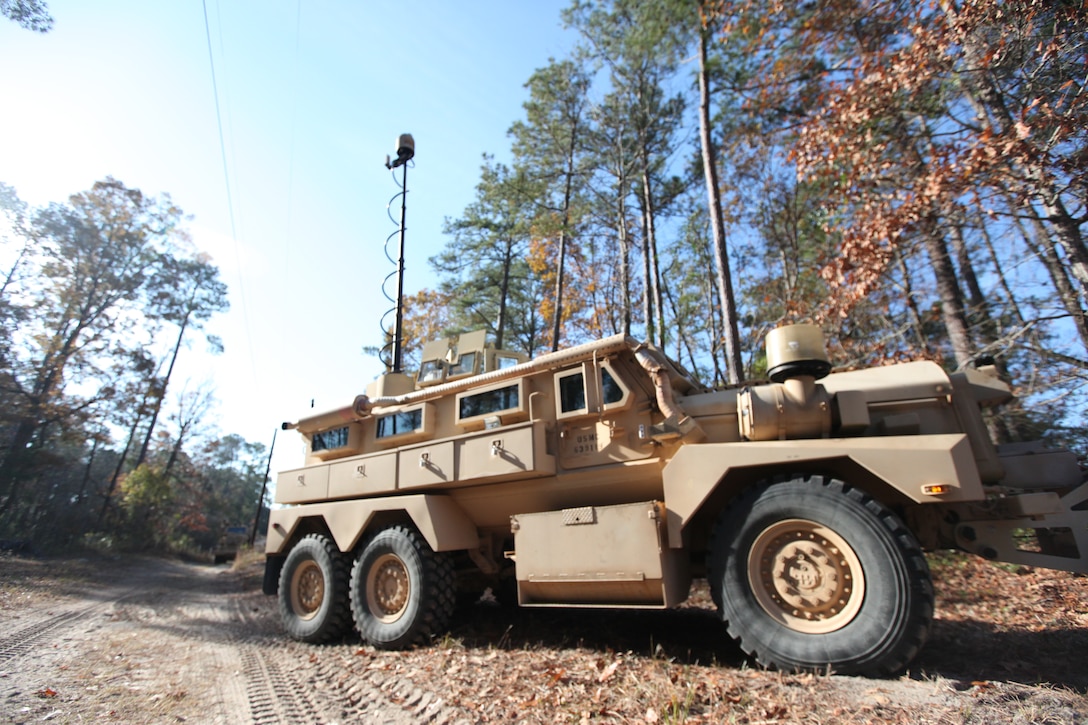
x,y
406,150
264,489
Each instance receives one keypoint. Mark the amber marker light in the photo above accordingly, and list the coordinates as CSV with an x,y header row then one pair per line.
x,y
935,489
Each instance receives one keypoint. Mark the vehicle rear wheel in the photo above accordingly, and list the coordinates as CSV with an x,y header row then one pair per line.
x,y
313,591
402,592
810,574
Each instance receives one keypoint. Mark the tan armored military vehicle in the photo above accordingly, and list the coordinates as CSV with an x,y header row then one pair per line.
x,y
604,476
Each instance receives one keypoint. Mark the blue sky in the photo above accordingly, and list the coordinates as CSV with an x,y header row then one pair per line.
x,y
312,96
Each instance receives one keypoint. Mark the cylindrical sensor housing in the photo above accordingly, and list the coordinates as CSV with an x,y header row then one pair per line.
x,y
796,350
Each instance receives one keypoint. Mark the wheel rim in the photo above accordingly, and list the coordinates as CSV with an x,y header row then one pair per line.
x,y
805,576
307,589
387,588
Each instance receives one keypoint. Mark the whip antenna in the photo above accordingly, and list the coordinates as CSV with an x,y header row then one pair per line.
x,y
391,353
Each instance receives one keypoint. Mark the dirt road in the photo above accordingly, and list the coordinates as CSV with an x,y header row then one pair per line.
x,y
152,640
144,640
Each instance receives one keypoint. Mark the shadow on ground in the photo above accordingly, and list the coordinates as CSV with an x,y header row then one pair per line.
x,y
960,651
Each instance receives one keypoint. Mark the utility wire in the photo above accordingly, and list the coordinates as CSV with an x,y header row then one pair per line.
x,y
230,199
291,150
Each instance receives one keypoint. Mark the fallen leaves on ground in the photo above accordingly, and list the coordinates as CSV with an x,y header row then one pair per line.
x,y
1006,641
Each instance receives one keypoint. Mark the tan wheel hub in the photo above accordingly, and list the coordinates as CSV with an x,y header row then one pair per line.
x,y
387,588
307,589
806,576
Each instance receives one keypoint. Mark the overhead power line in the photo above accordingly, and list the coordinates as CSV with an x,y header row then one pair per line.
x,y
230,199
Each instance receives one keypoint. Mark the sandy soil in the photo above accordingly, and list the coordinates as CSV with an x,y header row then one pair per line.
x,y
146,640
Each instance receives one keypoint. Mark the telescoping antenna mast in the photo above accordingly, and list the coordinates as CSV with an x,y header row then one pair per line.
x,y
406,150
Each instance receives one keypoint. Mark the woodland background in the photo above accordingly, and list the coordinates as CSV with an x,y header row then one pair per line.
x,y
910,176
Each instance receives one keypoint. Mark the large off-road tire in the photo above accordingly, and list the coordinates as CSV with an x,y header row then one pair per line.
x,y
812,574
402,592
313,591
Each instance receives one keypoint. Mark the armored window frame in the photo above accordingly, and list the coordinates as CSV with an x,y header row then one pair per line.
x,y
431,372
609,385
330,440
504,360
336,442
422,414
489,402
610,401
467,365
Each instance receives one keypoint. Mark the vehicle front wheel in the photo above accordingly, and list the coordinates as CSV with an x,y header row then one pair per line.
x,y
811,574
402,592
313,591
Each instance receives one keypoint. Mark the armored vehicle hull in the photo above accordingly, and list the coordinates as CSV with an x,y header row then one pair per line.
x,y
604,476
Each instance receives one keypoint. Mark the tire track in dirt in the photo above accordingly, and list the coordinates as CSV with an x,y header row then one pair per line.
x,y
274,697
253,673
377,695
20,643
275,686
325,683
290,682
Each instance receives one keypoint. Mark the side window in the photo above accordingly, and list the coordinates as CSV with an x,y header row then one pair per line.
x,y
503,361
336,442
507,403
492,401
394,424
466,365
404,425
574,398
611,391
572,393
328,440
430,371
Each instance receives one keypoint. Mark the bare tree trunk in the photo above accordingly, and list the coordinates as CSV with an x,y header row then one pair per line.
x,y
989,106
715,336
648,316
162,393
948,289
625,269
655,309
557,314
1046,253
730,333
504,292
978,306
12,471
119,469
912,304
999,271
46,383
87,471
683,340
953,313
568,193
14,268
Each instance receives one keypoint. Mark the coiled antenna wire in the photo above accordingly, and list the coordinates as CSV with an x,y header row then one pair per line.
x,y
391,352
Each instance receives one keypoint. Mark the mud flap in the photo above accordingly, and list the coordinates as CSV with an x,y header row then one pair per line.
x,y
272,567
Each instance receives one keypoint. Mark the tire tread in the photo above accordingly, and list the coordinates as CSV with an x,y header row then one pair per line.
x,y
915,630
437,597
337,620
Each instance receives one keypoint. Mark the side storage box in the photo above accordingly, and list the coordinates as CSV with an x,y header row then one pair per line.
x,y
363,475
598,556
425,465
508,452
303,485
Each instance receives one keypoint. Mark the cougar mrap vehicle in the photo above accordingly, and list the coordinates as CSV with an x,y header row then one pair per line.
x,y
604,476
